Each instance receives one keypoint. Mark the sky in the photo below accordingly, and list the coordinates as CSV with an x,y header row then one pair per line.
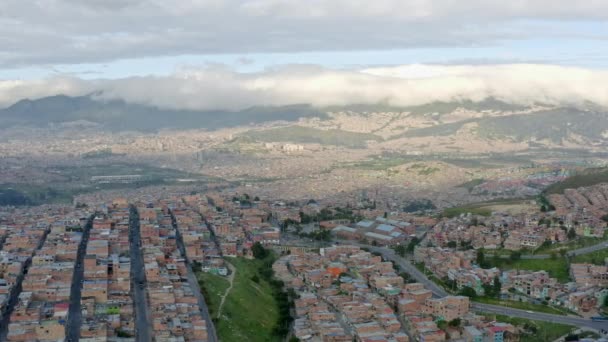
x,y
73,47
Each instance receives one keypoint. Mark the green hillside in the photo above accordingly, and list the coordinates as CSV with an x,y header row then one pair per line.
x,y
586,178
299,134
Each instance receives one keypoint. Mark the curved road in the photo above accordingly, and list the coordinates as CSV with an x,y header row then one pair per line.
x,y
574,252
405,265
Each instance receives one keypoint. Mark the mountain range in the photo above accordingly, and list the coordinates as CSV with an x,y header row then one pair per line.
x,y
490,119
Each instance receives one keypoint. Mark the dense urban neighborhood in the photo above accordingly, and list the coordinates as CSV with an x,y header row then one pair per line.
x,y
150,265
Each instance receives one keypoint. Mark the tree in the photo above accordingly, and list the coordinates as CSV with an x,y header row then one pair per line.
x,y
259,252
455,322
400,250
452,244
257,199
571,233
481,258
515,255
497,286
468,292
553,256
412,244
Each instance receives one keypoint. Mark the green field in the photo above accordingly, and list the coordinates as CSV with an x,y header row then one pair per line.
x,y
579,242
303,135
470,185
456,211
485,208
250,312
535,330
77,180
557,268
596,258
521,305
214,287
586,178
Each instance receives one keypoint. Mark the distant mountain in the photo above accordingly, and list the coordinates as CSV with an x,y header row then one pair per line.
x,y
118,115
555,125
489,119
436,107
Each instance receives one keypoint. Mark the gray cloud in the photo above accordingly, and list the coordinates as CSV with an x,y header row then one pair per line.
x,y
71,31
217,87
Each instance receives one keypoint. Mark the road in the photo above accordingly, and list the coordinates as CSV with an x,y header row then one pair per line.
x,y
143,324
74,321
575,252
211,334
14,295
590,249
406,266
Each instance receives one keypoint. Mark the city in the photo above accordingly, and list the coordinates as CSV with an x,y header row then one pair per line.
x,y
121,268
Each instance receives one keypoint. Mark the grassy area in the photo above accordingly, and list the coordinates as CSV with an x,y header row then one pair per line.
x,y
250,311
534,331
486,208
585,178
300,134
471,184
577,243
214,287
28,194
77,180
475,210
521,305
596,258
557,268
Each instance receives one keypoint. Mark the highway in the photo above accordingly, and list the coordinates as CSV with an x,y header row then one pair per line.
x,y
143,325
211,334
74,320
406,266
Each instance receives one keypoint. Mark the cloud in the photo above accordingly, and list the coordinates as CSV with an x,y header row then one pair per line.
x,y
71,31
218,87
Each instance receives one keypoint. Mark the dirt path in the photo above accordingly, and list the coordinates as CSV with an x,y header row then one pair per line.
x,y
231,281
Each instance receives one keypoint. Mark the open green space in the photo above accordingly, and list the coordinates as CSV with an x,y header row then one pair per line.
x,y
213,287
597,257
300,134
521,305
470,185
475,210
534,331
577,243
484,208
250,311
29,194
557,268
77,180
585,178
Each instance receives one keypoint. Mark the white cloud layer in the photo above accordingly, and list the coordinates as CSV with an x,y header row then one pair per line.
x,y
82,31
222,88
